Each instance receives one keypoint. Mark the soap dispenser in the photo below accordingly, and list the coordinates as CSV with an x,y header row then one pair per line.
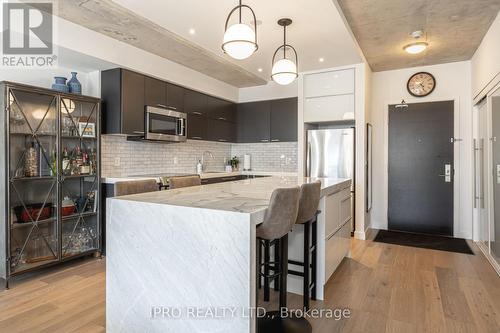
x,y
199,167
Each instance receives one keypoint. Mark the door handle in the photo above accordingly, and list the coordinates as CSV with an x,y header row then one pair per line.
x,y
475,172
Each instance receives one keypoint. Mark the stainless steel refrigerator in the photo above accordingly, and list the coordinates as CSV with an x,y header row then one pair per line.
x,y
330,154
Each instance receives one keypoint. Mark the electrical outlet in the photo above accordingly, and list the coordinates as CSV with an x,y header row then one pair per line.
x,y
176,160
117,162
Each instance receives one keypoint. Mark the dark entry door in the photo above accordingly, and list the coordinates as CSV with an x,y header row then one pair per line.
x,y
421,168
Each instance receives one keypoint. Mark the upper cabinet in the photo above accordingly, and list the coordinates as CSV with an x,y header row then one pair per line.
x,y
267,121
125,94
175,97
123,102
329,96
155,92
284,118
195,102
254,122
329,83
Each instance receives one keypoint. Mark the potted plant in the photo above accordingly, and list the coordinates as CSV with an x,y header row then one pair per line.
x,y
235,162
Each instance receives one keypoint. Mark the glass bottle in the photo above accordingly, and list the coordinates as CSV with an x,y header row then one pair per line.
x,y
31,162
65,161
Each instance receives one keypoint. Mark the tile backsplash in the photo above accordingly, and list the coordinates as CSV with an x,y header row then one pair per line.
x,y
120,157
271,156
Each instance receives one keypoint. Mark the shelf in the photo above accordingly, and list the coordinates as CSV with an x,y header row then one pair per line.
x,y
17,225
78,176
30,134
75,216
70,137
33,178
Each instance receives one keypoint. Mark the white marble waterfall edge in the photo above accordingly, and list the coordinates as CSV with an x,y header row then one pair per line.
x,y
169,256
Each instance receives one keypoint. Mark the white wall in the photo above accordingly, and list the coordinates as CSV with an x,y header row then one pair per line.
x,y
486,60
45,77
453,83
271,90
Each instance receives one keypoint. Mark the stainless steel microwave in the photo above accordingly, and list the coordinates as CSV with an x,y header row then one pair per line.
x,y
165,125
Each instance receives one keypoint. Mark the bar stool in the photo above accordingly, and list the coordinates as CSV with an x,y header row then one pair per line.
x,y
308,217
184,181
279,220
135,187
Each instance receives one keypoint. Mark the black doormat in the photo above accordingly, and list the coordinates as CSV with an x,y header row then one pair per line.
x,y
424,241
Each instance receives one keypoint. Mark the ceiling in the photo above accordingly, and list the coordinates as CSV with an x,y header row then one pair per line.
x,y
454,29
163,27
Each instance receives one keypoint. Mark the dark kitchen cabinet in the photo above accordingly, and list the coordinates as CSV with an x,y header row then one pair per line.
x,y
155,92
221,131
175,97
220,109
197,126
122,93
195,102
284,120
253,122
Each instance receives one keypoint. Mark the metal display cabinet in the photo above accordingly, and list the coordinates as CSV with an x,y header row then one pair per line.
x,y
49,178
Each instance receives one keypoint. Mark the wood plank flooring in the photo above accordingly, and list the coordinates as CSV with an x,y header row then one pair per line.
x,y
388,288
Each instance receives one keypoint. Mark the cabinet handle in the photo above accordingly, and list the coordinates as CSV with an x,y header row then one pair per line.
x,y
172,108
222,118
264,140
197,137
222,140
196,112
138,132
161,105
275,140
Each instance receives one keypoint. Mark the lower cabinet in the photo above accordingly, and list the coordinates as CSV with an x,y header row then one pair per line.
x,y
337,229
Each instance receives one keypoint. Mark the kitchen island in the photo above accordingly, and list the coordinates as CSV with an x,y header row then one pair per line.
x,y
184,260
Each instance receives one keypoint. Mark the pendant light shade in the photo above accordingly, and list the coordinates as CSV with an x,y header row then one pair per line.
x,y
240,40
284,70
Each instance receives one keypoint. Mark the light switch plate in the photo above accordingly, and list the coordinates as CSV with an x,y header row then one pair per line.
x,y
498,173
116,163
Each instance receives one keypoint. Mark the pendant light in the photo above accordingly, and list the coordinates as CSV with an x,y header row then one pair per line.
x,y
284,70
240,40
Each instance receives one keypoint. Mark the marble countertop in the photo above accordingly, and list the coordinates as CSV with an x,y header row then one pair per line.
x,y
205,175
249,196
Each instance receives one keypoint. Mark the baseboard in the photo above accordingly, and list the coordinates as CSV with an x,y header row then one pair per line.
x,y
492,261
360,235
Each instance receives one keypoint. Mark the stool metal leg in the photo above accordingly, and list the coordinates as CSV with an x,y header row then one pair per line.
x,y
307,229
259,262
313,259
276,265
284,270
266,270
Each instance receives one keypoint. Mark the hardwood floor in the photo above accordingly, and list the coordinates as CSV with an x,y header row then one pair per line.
x,y
388,288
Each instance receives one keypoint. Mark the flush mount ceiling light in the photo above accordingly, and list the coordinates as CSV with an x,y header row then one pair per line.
x,y
284,70
417,47
240,40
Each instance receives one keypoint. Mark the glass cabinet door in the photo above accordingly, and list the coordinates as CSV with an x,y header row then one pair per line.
x,y
495,140
481,167
32,179
79,177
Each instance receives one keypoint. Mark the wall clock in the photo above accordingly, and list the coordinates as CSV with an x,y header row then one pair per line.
x,y
421,84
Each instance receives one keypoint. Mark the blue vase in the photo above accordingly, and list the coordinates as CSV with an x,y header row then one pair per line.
x,y
75,87
60,84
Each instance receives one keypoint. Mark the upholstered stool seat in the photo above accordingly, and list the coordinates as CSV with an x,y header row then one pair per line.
x,y
184,181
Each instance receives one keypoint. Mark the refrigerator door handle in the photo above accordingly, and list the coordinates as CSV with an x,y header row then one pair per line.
x,y
308,160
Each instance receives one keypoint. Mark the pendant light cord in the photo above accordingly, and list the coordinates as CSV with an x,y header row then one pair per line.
x,y
240,11
284,42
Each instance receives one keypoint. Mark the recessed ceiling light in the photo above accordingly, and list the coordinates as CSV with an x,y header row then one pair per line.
x,y
260,69
415,48
321,59
192,31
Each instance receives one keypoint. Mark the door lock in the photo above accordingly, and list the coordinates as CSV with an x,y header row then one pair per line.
x,y
447,173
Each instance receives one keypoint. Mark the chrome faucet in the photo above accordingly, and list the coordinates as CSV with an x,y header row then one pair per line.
x,y
209,153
